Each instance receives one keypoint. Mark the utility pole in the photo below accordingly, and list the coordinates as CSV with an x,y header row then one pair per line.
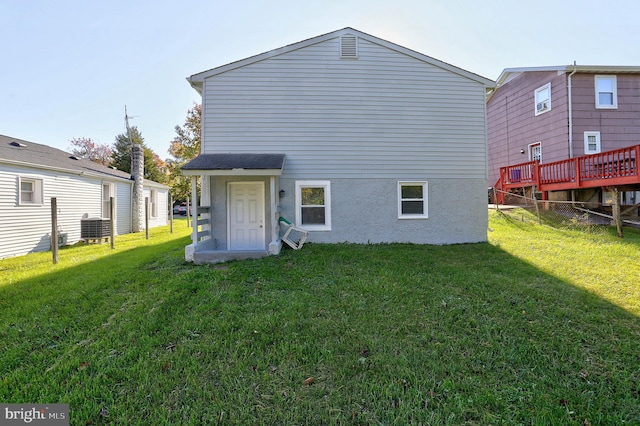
x,y
126,122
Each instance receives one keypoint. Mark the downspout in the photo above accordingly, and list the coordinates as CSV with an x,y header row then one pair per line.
x,y
571,111
570,102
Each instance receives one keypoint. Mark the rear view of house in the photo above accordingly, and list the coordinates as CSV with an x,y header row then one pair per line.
x,y
347,136
32,174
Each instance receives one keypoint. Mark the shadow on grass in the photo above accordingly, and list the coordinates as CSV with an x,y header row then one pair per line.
x,y
462,334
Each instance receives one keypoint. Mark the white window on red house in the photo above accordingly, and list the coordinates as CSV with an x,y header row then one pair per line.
x,y
606,91
542,96
592,142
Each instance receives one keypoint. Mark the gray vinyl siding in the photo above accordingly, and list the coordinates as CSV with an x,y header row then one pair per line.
x,y
383,115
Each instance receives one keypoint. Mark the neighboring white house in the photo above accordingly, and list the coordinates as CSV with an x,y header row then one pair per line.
x,y
31,174
346,135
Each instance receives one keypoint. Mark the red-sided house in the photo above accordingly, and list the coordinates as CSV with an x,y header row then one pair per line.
x,y
571,132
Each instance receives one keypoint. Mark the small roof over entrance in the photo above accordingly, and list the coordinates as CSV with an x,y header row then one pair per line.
x,y
235,165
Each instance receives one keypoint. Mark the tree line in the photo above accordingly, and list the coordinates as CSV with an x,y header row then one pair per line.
x,y
184,147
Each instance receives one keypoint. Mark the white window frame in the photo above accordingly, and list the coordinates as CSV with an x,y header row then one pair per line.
x,y
106,195
614,82
326,185
586,143
37,193
424,199
531,147
537,101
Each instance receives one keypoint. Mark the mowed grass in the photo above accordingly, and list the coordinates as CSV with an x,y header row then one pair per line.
x,y
538,326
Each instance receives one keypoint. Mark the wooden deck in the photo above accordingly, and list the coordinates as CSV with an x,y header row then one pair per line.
x,y
617,168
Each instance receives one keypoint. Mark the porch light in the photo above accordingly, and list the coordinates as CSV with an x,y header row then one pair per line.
x,y
522,151
282,193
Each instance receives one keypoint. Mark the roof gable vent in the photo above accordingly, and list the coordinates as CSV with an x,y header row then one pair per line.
x,y
18,144
349,46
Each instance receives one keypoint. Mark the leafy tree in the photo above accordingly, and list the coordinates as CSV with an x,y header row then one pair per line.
x,y
87,148
185,146
121,156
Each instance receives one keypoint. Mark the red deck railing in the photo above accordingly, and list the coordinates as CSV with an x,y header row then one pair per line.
x,y
610,168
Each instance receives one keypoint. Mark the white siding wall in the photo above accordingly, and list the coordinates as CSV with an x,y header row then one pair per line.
x,y
123,208
25,229
383,115
162,206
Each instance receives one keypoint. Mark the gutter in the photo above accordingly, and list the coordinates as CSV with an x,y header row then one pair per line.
x,y
571,110
89,173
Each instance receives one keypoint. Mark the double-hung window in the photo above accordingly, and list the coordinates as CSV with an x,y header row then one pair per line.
x,y
542,98
412,200
30,192
107,193
606,91
591,142
313,205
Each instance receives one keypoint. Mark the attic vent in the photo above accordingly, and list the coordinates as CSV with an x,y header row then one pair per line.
x,y
348,46
18,144
73,157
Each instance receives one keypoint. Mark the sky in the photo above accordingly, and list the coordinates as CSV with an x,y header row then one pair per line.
x,y
69,68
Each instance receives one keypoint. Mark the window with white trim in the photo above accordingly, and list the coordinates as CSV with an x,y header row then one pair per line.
x,y
107,193
606,91
542,97
313,205
535,151
412,200
30,192
591,142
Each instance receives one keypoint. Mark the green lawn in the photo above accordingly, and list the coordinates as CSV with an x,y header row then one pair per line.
x,y
538,326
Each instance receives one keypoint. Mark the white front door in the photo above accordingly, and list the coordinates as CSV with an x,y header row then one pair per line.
x,y
246,216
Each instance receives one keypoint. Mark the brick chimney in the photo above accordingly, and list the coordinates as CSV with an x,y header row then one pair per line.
x,y
137,175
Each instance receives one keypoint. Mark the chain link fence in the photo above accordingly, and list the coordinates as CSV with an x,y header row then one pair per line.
x,y
588,217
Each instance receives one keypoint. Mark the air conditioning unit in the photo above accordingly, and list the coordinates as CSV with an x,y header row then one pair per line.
x,y
542,106
97,228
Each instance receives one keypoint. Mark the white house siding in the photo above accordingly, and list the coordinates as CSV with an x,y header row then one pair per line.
x,y
25,229
123,208
162,207
349,118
